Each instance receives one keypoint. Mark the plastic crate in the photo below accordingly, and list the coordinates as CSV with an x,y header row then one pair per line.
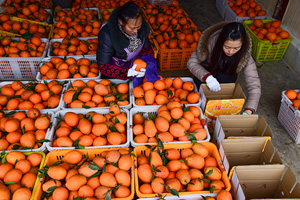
x,y
43,147
213,151
43,81
17,19
173,59
264,50
117,81
56,156
4,4
40,167
39,76
60,114
154,47
220,5
184,197
97,9
48,19
184,79
50,49
160,2
229,14
21,68
289,117
146,110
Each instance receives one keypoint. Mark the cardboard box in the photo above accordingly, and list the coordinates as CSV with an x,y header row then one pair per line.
x,y
250,151
264,182
228,101
237,126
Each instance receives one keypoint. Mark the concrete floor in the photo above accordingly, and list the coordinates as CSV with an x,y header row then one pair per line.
x,y
275,77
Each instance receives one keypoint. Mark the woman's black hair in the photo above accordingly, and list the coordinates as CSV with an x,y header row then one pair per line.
x,y
129,11
233,31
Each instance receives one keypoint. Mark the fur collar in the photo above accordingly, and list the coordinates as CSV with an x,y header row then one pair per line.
x,y
119,41
210,36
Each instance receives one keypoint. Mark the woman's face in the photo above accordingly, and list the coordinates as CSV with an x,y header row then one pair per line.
x,y
230,47
132,26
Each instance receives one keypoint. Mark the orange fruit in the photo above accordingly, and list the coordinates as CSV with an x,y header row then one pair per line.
x,y
291,94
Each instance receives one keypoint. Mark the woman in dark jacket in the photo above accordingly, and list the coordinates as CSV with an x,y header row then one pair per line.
x,y
121,41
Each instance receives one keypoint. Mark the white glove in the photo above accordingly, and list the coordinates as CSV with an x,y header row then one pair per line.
x,y
213,84
133,72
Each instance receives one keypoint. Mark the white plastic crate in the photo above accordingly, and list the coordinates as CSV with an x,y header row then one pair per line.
x,y
160,2
97,9
76,56
43,147
153,110
117,81
229,14
39,76
289,117
21,68
43,81
60,114
220,5
184,197
49,11
184,79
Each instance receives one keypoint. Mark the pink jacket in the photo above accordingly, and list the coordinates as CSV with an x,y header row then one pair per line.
x,y
247,64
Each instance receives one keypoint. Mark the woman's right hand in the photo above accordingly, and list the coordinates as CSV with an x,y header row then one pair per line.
x,y
213,84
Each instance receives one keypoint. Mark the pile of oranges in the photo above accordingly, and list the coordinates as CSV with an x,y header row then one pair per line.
x,y
171,26
18,174
25,3
268,31
31,12
247,8
190,169
24,130
19,96
107,4
12,47
92,129
80,175
165,90
294,97
70,15
96,94
74,46
38,30
76,22
58,68
171,123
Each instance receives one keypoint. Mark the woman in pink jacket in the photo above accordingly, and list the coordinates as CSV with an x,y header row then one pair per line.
x,y
223,51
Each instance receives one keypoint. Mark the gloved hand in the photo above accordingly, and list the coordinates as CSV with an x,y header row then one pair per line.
x,y
133,72
247,112
213,84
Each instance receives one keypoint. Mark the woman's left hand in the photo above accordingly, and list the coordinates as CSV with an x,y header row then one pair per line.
x,y
247,112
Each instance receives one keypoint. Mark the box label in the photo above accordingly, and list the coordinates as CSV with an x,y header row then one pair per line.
x,y
214,108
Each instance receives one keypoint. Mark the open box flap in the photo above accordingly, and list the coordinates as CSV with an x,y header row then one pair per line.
x,y
244,145
238,121
267,132
257,172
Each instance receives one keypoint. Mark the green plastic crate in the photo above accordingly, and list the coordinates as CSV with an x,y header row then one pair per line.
x,y
264,50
